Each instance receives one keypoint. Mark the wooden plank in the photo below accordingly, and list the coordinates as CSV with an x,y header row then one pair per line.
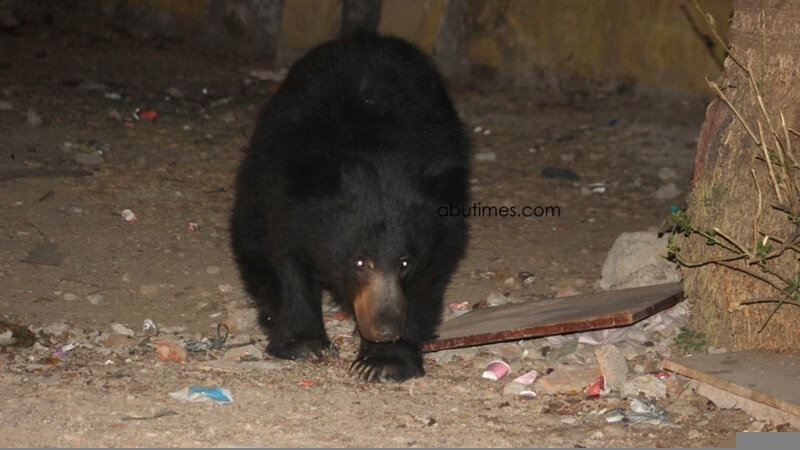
x,y
764,377
555,316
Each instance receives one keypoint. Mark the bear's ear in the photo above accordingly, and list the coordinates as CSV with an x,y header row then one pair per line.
x,y
447,184
313,178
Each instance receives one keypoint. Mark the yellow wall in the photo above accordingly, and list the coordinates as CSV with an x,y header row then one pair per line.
x,y
655,42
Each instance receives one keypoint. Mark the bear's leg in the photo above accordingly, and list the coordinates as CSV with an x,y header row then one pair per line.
x,y
293,301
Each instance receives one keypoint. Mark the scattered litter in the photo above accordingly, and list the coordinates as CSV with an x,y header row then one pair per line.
x,y
597,387
638,412
305,383
149,326
192,226
145,114
598,188
170,351
496,370
459,308
62,351
129,216
194,394
642,412
528,378
526,277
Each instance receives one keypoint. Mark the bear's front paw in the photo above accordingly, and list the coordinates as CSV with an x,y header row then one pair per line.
x,y
301,349
387,368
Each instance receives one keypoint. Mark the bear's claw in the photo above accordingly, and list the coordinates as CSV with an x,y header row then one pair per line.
x,y
301,349
383,369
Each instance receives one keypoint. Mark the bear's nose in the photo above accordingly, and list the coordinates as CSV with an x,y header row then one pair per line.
x,y
385,332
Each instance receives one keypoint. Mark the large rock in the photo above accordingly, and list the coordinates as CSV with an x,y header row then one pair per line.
x,y
638,259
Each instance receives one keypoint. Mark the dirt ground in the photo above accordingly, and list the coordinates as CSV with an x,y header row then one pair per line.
x,y
91,269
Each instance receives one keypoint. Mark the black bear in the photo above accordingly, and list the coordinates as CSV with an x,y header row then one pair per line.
x,y
340,190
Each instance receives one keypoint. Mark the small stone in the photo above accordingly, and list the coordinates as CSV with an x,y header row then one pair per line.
x,y
513,388
667,191
496,299
57,329
89,159
225,288
247,351
32,119
485,157
119,328
569,420
667,173
148,289
70,297
568,291
648,385
95,299
118,340
568,379
612,365
174,92
212,270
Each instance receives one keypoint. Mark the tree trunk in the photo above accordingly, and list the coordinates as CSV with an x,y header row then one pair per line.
x,y
731,175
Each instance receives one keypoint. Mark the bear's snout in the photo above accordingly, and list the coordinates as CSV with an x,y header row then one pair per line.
x,y
380,309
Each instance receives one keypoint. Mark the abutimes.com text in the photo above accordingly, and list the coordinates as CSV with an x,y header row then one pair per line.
x,y
479,210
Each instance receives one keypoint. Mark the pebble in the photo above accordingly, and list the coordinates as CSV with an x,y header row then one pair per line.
x,y
667,173
612,365
569,420
485,157
212,270
513,388
70,297
95,299
246,351
89,159
224,288
694,434
174,92
56,329
148,289
32,119
118,340
496,299
667,191
119,328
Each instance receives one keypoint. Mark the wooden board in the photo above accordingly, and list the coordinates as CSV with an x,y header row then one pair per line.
x,y
764,377
555,316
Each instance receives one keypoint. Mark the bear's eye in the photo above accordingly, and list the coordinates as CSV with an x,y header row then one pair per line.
x,y
363,263
405,263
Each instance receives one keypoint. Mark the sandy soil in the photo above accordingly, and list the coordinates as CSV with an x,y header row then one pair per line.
x,y
179,168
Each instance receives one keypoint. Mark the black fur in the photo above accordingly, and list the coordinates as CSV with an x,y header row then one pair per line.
x,y
340,190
